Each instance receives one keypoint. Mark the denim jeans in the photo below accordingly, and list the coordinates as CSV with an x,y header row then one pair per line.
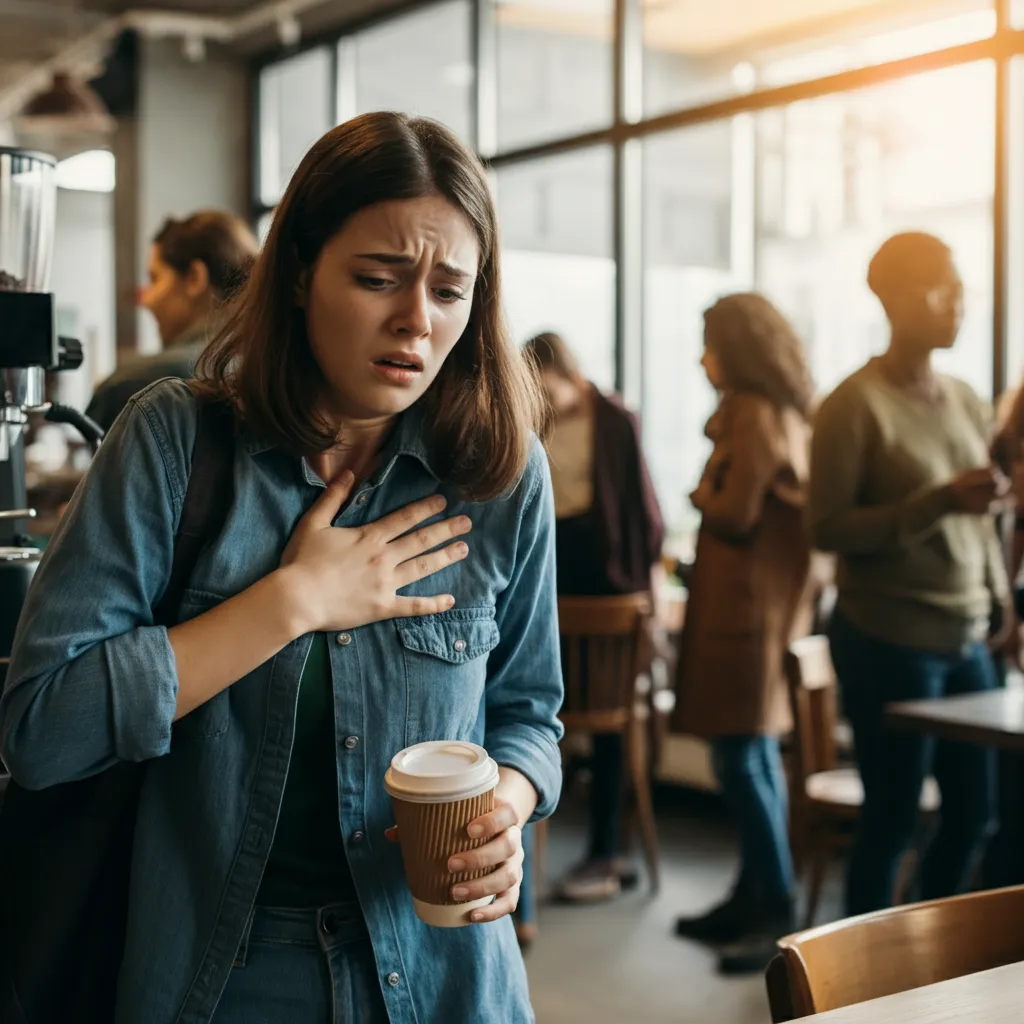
x,y
314,966
894,765
749,770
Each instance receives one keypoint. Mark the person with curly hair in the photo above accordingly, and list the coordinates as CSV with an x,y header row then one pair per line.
x,y
748,593
903,490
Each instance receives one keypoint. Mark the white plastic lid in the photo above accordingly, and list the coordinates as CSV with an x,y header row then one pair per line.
x,y
440,770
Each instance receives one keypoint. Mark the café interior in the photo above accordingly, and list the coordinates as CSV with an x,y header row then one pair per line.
x,y
666,173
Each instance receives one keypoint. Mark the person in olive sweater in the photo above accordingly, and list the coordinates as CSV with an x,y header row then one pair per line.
x,y
903,490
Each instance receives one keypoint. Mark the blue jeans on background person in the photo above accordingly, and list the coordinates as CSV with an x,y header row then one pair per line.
x,y
303,965
749,769
894,765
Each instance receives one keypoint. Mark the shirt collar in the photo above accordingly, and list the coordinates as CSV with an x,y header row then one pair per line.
x,y
408,438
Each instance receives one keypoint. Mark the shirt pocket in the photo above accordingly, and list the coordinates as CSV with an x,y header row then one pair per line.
x,y
445,658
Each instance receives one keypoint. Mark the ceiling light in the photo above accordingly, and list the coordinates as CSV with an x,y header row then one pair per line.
x,y
91,171
67,107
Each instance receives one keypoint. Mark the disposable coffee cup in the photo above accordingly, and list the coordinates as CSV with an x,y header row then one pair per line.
x,y
437,789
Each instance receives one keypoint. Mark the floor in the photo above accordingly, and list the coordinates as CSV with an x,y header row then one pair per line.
x,y
617,963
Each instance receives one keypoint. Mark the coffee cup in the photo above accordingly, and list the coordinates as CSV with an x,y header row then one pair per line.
x,y
437,788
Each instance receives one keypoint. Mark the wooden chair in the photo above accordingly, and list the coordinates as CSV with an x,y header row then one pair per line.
x,y
895,950
605,648
825,798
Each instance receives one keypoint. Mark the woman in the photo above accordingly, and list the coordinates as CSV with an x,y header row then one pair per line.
x,y
195,265
747,596
903,490
608,538
331,624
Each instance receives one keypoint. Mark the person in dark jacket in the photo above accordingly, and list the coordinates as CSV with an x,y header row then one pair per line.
x,y
195,264
608,537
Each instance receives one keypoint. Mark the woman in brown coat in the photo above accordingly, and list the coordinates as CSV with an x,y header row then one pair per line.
x,y
748,586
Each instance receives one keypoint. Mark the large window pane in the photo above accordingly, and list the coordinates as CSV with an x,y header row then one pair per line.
x,y
295,110
839,174
554,68
697,51
698,221
559,272
419,63
830,179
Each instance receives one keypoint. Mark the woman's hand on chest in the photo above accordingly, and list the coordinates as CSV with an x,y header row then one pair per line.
x,y
341,578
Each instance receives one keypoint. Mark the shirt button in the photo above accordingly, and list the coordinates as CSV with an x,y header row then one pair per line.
x,y
361,499
459,645
357,837
344,639
351,742
393,978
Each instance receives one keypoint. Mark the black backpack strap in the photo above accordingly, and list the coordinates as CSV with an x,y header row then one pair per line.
x,y
207,500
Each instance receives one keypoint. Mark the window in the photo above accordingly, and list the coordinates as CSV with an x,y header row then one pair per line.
x,y
419,64
295,110
698,213
558,268
695,51
840,174
794,201
555,68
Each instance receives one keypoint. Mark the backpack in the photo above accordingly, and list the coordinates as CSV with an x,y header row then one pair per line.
x,y
66,851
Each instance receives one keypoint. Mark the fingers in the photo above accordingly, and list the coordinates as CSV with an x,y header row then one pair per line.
x,y
504,846
326,507
391,834
429,537
426,565
502,879
415,607
504,905
405,519
491,824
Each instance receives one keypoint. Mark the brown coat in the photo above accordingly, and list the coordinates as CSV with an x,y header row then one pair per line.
x,y
749,593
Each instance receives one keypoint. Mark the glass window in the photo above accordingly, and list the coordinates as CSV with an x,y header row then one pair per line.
x,y
295,110
555,68
558,268
698,220
822,184
419,63
839,174
695,51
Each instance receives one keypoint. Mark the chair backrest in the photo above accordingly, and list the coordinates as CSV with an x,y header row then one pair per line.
x,y
898,949
812,695
604,647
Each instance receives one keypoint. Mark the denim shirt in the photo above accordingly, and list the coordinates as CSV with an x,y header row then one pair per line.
x,y
92,680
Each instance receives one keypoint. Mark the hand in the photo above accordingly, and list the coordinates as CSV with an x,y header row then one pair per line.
x,y
979,491
1004,636
348,577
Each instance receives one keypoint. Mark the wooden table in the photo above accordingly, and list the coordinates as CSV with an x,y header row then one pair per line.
x,y
991,997
994,719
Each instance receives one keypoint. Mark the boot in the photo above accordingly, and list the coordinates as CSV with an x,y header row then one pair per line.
x,y
752,953
724,923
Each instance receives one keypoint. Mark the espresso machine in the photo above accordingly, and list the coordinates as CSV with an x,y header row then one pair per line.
x,y
29,348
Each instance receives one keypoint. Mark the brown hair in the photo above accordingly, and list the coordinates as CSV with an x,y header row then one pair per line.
x,y
759,351
549,351
906,260
484,404
222,242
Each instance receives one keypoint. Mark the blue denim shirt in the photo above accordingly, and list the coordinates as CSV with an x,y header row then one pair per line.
x,y
93,680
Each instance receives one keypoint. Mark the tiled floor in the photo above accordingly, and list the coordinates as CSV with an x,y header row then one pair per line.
x,y
617,963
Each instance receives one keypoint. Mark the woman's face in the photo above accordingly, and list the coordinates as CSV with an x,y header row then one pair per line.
x,y
712,367
388,298
929,313
176,300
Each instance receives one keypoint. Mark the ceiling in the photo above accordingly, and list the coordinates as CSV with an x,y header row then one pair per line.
x,y
33,31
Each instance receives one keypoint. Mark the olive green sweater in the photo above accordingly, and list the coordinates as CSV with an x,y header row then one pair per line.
x,y
911,570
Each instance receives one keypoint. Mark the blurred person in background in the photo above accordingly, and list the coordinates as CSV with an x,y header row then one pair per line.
x,y
747,601
903,490
608,536
195,265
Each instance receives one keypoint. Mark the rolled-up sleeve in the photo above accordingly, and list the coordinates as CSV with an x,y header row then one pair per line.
x,y
92,679
524,687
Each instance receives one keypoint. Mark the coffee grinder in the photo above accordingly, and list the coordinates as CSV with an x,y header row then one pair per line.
x,y
29,347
